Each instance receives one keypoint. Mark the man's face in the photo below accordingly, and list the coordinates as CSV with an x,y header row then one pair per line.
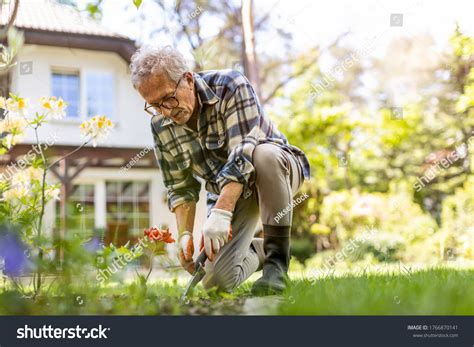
x,y
160,87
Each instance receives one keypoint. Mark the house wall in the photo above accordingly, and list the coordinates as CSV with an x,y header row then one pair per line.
x,y
159,212
132,124
132,127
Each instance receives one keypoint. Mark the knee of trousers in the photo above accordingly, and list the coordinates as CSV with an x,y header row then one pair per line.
x,y
269,161
223,278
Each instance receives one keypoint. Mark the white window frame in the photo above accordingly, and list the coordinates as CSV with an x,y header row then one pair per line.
x,y
83,92
70,70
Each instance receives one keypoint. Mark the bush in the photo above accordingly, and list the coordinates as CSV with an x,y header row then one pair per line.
x,y
384,247
457,223
302,249
399,222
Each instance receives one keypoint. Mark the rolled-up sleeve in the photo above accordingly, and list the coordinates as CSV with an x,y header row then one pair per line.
x,y
178,179
242,117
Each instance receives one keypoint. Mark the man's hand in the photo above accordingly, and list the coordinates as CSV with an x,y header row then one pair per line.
x,y
186,251
216,231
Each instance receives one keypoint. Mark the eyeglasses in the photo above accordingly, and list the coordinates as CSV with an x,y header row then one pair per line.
x,y
168,103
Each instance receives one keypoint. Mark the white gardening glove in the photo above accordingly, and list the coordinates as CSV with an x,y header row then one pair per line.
x,y
216,231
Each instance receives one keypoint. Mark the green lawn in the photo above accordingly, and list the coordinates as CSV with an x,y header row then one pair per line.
x,y
426,292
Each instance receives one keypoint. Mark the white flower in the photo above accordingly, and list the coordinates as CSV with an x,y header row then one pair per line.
x,y
54,107
17,106
15,193
15,128
53,193
36,174
11,140
21,178
13,124
97,128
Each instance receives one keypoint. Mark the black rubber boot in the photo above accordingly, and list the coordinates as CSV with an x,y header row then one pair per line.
x,y
276,243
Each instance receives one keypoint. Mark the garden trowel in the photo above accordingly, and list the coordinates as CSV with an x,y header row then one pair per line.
x,y
197,276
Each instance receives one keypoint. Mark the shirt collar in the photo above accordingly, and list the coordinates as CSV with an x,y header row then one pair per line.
x,y
205,95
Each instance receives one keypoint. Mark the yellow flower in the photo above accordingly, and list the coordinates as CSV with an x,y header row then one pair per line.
x,y
98,127
14,127
17,106
46,104
54,107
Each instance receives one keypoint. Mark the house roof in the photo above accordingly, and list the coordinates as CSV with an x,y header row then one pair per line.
x,y
47,22
52,16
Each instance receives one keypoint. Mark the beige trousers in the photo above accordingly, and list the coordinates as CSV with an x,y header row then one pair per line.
x,y
278,176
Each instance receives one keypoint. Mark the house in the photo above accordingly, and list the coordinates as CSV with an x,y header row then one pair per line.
x,y
69,56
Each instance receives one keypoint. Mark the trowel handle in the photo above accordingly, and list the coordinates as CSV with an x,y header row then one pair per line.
x,y
201,259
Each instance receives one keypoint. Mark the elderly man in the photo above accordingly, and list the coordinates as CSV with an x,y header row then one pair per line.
x,y
211,125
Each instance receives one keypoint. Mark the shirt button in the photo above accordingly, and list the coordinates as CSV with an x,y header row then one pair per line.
x,y
220,141
210,162
247,194
238,161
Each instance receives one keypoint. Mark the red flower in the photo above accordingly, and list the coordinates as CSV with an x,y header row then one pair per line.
x,y
157,235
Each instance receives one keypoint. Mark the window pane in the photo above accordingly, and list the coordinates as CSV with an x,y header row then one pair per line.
x,y
128,207
100,94
67,86
79,209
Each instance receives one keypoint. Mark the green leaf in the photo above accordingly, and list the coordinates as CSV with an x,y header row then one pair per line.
x,y
137,3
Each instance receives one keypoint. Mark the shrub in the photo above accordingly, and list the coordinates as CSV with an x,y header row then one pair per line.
x,y
457,223
399,221
302,249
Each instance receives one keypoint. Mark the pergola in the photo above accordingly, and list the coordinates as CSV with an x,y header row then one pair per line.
x,y
69,162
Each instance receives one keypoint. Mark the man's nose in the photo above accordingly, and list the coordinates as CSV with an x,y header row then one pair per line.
x,y
165,112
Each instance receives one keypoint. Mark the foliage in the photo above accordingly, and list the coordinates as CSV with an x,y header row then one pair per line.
x,y
25,189
457,232
301,249
382,246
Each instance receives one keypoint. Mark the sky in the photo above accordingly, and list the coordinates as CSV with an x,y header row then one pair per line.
x,y
317,22
373,24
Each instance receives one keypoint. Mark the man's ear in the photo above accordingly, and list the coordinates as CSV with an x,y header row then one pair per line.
x,y
189,78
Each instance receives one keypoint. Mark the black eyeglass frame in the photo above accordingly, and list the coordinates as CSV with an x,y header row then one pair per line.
x,y
167,100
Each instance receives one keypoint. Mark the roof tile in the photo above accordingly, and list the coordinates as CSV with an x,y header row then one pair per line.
x,y
52,16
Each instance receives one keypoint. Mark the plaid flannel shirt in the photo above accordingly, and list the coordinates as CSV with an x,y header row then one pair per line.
x,y
231,123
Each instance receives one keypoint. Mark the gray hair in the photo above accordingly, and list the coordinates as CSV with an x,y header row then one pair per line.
x,y
150,60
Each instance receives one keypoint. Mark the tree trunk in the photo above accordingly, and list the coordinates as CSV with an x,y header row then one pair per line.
x,y
249,55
